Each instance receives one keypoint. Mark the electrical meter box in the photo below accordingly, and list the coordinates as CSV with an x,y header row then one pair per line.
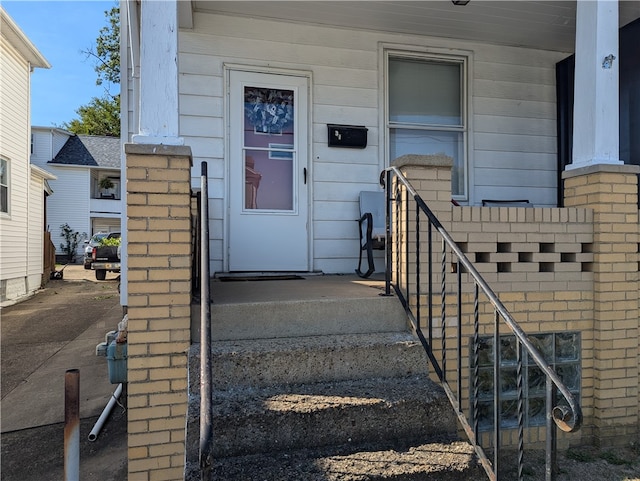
x,y
117,362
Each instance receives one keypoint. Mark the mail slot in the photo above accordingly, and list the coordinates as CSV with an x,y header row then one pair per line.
x,y
350,136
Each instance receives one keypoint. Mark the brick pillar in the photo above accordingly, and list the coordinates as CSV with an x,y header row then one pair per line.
x,y
612,193
430,176
159,301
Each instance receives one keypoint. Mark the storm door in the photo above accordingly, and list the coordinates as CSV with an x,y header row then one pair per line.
x,y
268,176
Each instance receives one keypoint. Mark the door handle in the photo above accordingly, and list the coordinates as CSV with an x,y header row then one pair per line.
x,y
304,173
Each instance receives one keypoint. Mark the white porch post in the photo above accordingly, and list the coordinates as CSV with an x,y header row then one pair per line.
x,y
158,73
596,133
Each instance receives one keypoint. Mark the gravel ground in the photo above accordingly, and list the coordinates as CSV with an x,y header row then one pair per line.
x,y
579,464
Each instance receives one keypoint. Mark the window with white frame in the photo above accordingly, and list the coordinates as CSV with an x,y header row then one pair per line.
x,y
4,186
427,110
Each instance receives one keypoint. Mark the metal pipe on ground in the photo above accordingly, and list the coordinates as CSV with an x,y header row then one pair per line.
x,y
93,435
72,425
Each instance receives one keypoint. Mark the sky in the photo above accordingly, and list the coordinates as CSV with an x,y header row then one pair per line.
x,y
60,30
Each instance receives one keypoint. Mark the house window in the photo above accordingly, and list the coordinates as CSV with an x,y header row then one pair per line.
x,y
426,110
4,186
560,350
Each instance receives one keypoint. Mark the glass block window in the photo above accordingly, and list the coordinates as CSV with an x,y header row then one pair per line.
x,y
561,350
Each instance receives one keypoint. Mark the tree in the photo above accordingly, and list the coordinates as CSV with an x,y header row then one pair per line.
x,y
108,49
101,116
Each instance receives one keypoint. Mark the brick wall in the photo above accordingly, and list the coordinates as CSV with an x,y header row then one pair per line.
x,y
159,289
555,269
611,192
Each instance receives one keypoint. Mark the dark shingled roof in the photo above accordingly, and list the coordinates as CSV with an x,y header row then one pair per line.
x,y
90,150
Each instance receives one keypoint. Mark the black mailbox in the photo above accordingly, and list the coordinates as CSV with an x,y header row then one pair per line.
x,y
351,136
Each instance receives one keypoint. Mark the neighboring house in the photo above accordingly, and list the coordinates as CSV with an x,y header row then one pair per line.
x,y
298,106
23,187
88,189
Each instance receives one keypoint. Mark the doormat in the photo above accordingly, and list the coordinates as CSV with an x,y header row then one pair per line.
x,y
259,278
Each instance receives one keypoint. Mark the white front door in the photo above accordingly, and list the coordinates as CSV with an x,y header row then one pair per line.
x,y
268,176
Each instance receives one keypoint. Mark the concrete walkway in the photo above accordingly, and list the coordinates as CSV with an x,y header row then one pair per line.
x,y
44,336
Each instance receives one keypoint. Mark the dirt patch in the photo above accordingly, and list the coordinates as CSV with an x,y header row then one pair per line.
x,y
584,463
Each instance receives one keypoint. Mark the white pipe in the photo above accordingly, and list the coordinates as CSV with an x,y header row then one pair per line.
x,y
93,435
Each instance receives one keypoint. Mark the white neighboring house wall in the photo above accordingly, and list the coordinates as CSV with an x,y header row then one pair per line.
x,y
77,205
18,57
46,143
35,241
69,205
512,116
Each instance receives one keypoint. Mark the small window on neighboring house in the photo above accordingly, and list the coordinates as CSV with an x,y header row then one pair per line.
x,y
32,143
560,350
426,98
4,186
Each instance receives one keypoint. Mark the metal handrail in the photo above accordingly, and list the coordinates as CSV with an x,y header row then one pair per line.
x,y
567,418
206,394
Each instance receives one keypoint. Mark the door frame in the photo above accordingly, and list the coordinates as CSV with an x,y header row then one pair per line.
x,y
227,69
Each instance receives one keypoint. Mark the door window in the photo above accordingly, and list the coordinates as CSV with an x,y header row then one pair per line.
x,y
268,149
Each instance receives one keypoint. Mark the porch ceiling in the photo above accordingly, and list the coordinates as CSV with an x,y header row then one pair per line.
x,y
548,25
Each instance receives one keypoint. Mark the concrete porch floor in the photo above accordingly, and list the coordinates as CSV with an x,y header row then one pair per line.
x,y
304,287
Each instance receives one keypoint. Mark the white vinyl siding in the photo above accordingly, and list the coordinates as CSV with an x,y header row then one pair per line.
x,y
511,131
69,203
47,142
14,125
41,153
35,239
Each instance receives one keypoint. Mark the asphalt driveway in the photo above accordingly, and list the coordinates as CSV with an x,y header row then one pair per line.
x,y
40,339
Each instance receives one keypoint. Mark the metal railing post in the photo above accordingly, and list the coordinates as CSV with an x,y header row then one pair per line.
x,y
206,394
72,425
387,224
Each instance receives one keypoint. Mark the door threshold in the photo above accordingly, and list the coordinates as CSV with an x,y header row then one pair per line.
x,y
263,276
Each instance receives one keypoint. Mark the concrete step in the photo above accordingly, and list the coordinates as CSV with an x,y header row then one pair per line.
x,y
284,418
350,407
304,317
312,359
437,461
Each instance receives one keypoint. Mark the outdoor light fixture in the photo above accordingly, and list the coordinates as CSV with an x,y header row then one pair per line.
x,y
460,2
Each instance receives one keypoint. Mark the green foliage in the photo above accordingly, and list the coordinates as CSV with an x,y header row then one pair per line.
x,y
105,183
99,117
108,49
71,241
112,241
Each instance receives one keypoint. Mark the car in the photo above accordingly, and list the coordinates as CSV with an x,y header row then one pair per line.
x,y
95,242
